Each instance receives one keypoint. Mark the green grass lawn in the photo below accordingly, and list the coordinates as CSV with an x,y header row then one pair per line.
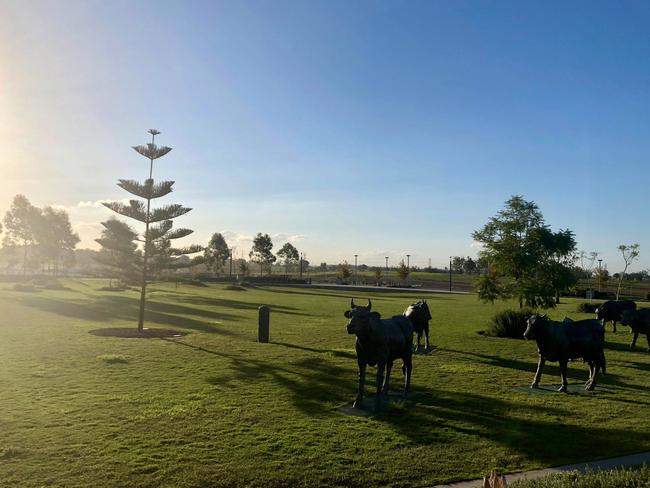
x,y
214,408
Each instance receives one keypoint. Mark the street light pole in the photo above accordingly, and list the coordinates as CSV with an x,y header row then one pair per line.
x,y
356,276
600,272
300,266
449,273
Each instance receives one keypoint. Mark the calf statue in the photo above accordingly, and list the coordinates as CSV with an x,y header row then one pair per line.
x,y
561,341
639,322
380,342
613,310
419,315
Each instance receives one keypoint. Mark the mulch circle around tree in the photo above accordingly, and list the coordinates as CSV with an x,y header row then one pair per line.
x,y
134,333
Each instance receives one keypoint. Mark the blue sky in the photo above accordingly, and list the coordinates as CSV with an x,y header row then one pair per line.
x,y
371,128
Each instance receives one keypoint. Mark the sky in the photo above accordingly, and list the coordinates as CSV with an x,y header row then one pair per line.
x,y
379,128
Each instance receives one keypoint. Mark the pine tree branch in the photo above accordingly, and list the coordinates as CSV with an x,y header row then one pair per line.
x,y
152,151
134,210
167,212
148,189
178,233
182,251
158,231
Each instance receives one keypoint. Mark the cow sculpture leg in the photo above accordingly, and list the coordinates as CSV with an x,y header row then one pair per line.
x,y
389,367
407,368
565,384
418,346
358,401
614,323
381,366
593,371
538,373
634,338
427,345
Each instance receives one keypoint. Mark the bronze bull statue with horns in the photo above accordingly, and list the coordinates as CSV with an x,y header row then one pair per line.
x,y
380,342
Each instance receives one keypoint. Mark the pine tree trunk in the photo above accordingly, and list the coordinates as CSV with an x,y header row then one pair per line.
x,y
143,291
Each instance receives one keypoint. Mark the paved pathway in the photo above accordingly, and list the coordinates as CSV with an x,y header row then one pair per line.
x,y
619,462
366,288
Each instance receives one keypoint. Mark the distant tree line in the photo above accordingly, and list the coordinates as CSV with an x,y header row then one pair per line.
x,y
37,239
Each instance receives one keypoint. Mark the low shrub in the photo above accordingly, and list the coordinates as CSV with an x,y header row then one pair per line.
x,y
509,323
235,288
588,307
615,478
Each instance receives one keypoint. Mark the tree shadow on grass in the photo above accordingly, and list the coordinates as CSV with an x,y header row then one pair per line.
x,y
636,364
125,308
234,304
618,346
310,382
333,352
536,431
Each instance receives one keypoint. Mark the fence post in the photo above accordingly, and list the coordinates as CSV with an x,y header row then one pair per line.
x,y
263,324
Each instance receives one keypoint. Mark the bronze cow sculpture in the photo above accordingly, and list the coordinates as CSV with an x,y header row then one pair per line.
x,y
639,322
380,342
561,341
419,315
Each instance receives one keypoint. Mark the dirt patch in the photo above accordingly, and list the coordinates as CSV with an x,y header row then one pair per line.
x,y
134,333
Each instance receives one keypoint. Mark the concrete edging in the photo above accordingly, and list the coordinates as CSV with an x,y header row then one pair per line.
x,y
604,464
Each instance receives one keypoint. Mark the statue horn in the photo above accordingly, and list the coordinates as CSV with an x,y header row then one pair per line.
x,y
369,304
352,303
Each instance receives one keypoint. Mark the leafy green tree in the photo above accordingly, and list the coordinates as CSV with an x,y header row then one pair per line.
x,y
630,254
54,236
489,288
561,257
469,266
216,253
458,264
261,252
289,254
601,275
243,268
118,253
344,270
520,247
158,253
21,221
403,271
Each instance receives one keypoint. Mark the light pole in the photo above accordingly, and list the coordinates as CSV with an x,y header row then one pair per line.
x,y
600,272
300,266
408,265
231,264
449,273
356,278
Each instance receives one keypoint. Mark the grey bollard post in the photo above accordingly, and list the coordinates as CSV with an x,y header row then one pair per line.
x,y
263,324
